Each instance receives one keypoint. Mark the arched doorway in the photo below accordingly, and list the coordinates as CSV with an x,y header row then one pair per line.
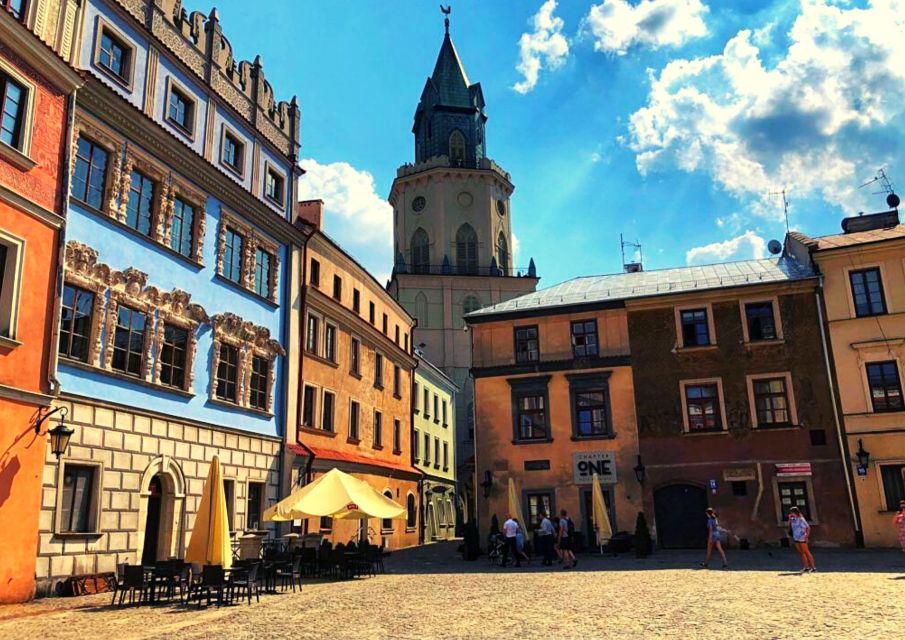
x,y
152,522
161,533
679,513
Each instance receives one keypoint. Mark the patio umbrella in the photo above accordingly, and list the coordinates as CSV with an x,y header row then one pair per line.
x,y
338,495
209,543
601,519
515,507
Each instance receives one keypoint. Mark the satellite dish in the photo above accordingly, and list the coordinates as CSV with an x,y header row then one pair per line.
x,y
893,201
774,247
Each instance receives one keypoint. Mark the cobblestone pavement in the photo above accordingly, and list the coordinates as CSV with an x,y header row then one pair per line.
x,y
430,593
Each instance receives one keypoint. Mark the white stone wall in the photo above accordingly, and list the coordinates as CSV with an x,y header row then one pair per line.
x,y
131,448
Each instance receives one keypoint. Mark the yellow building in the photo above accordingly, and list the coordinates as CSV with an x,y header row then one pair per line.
x,y
434,447
863,273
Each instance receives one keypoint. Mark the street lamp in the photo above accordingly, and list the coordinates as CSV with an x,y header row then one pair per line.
x,y
639,470
60,434
863,456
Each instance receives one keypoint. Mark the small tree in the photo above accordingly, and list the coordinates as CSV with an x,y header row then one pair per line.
x,y
472,541
494,525
643,545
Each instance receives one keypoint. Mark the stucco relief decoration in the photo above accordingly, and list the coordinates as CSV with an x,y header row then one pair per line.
x,y
251,340
83,270
252,240
164,226
115,148
128,288
176,308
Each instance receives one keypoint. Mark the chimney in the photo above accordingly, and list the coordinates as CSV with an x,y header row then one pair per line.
x,y
871,221
310,212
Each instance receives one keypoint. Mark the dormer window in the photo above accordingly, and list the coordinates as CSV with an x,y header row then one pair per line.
x,y
273,186
181,110
232,152
456,147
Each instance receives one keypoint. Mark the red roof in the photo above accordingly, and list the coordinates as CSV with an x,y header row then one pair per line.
x,y
329,454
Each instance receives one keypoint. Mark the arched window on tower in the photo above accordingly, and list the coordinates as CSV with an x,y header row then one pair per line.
x,y
421,251
421,310
467,249
456,147
470,303
502,253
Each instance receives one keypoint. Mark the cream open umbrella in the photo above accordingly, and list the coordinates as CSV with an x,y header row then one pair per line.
x,y
338,495
601,519
515,507
209,542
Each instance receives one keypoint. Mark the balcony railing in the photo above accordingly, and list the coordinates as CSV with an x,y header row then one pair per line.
x,y
454,270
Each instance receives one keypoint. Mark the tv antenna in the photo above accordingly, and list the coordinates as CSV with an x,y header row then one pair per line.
x,y
632,266
785,205
886,187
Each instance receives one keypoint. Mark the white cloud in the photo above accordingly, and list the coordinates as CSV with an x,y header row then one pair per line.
x,y
746,246
617,25
818,121
516,247
355,215
543,48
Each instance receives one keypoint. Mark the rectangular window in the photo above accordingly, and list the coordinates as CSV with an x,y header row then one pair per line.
x,y
386,325
761,322
227,372
327,412
867,292
445,456
695,330
260,371
396,335
531,417
445,422
355,357
378,370
114,55
311,335
326,523
794,494
75,323
182,232
263,272
78,495
538,501
426,404
893,476
337,288
254,506
591,407
427,449
584,338
416,446
232,256
233,152
128,341
181,110
12,110
885,387
436,409
405,341
416,397
15,7
397,381
330,342
315,277
140,206
172,356
308,406
702,406
436,453
372,313
273,186
354,415
356,300
90,173
378,429
771,403
526,344
397,436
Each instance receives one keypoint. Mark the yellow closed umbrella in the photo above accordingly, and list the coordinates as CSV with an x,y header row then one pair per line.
x,y
601,519
515,507
338,495
209,542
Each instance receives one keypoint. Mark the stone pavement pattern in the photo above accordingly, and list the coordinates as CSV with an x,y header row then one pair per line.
x,y
430,593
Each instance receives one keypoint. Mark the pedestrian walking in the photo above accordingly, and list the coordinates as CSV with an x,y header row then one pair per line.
x,y
801,533
565,540
554,521
899,521
545,535
510,531
714,538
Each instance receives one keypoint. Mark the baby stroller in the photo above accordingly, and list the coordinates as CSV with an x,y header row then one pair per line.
x,y
495,554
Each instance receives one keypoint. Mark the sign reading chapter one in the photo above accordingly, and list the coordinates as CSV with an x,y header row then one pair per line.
x,y
586,464
793,469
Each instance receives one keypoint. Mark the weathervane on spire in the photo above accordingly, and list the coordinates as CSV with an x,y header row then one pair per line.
x,y
446,11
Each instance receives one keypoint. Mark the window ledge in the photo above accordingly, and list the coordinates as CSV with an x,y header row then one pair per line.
x,y
377,447
125,377
77,534
9,343
16,157
386,531
353,441
246,290
696,434
322,360
397,395
189,135
316,431
603,436
785,427
115,77
538,441
233,405
378,386
764,343
233,171
410,529
397,451
355,374
703,347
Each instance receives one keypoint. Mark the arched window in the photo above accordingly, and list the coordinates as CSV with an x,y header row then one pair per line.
x,y
387,523
502,252
469,304
421,310
421,251
467,249
411,515
456,147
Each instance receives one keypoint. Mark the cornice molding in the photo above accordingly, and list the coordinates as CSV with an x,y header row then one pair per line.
x,y
22,203
37,54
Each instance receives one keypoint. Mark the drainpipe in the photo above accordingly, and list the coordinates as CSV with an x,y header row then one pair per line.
x,y
302,328
843,445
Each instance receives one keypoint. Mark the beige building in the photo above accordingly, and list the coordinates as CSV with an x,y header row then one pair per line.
x,y
434,449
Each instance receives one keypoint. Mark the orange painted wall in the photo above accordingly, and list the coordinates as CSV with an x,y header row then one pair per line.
x,y
24,367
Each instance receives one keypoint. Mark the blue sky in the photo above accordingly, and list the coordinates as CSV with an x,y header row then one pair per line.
x,y
670,121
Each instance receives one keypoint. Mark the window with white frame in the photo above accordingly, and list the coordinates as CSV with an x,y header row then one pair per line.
x,y
12,254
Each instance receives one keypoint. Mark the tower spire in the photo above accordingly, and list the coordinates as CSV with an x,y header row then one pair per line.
x,y
446,11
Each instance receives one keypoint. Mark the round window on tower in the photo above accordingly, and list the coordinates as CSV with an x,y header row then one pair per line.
x,y
464,199
418,204
501,207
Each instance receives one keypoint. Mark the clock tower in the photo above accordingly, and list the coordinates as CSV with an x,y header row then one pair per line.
x,y
453,235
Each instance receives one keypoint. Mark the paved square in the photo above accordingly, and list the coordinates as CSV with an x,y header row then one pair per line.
x,y
430,593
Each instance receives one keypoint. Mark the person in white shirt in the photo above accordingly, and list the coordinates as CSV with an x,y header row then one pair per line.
x,y
510,531
545,538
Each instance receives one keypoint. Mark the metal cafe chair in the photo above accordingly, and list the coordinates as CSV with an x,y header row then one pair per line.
x,y
213,580
245,580
290,573
133,580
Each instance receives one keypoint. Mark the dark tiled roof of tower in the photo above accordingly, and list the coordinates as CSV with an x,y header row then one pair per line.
x,y
644,284
449,77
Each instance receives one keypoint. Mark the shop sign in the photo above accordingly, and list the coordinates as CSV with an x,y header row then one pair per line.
x,y
587,463
739,475
793,469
